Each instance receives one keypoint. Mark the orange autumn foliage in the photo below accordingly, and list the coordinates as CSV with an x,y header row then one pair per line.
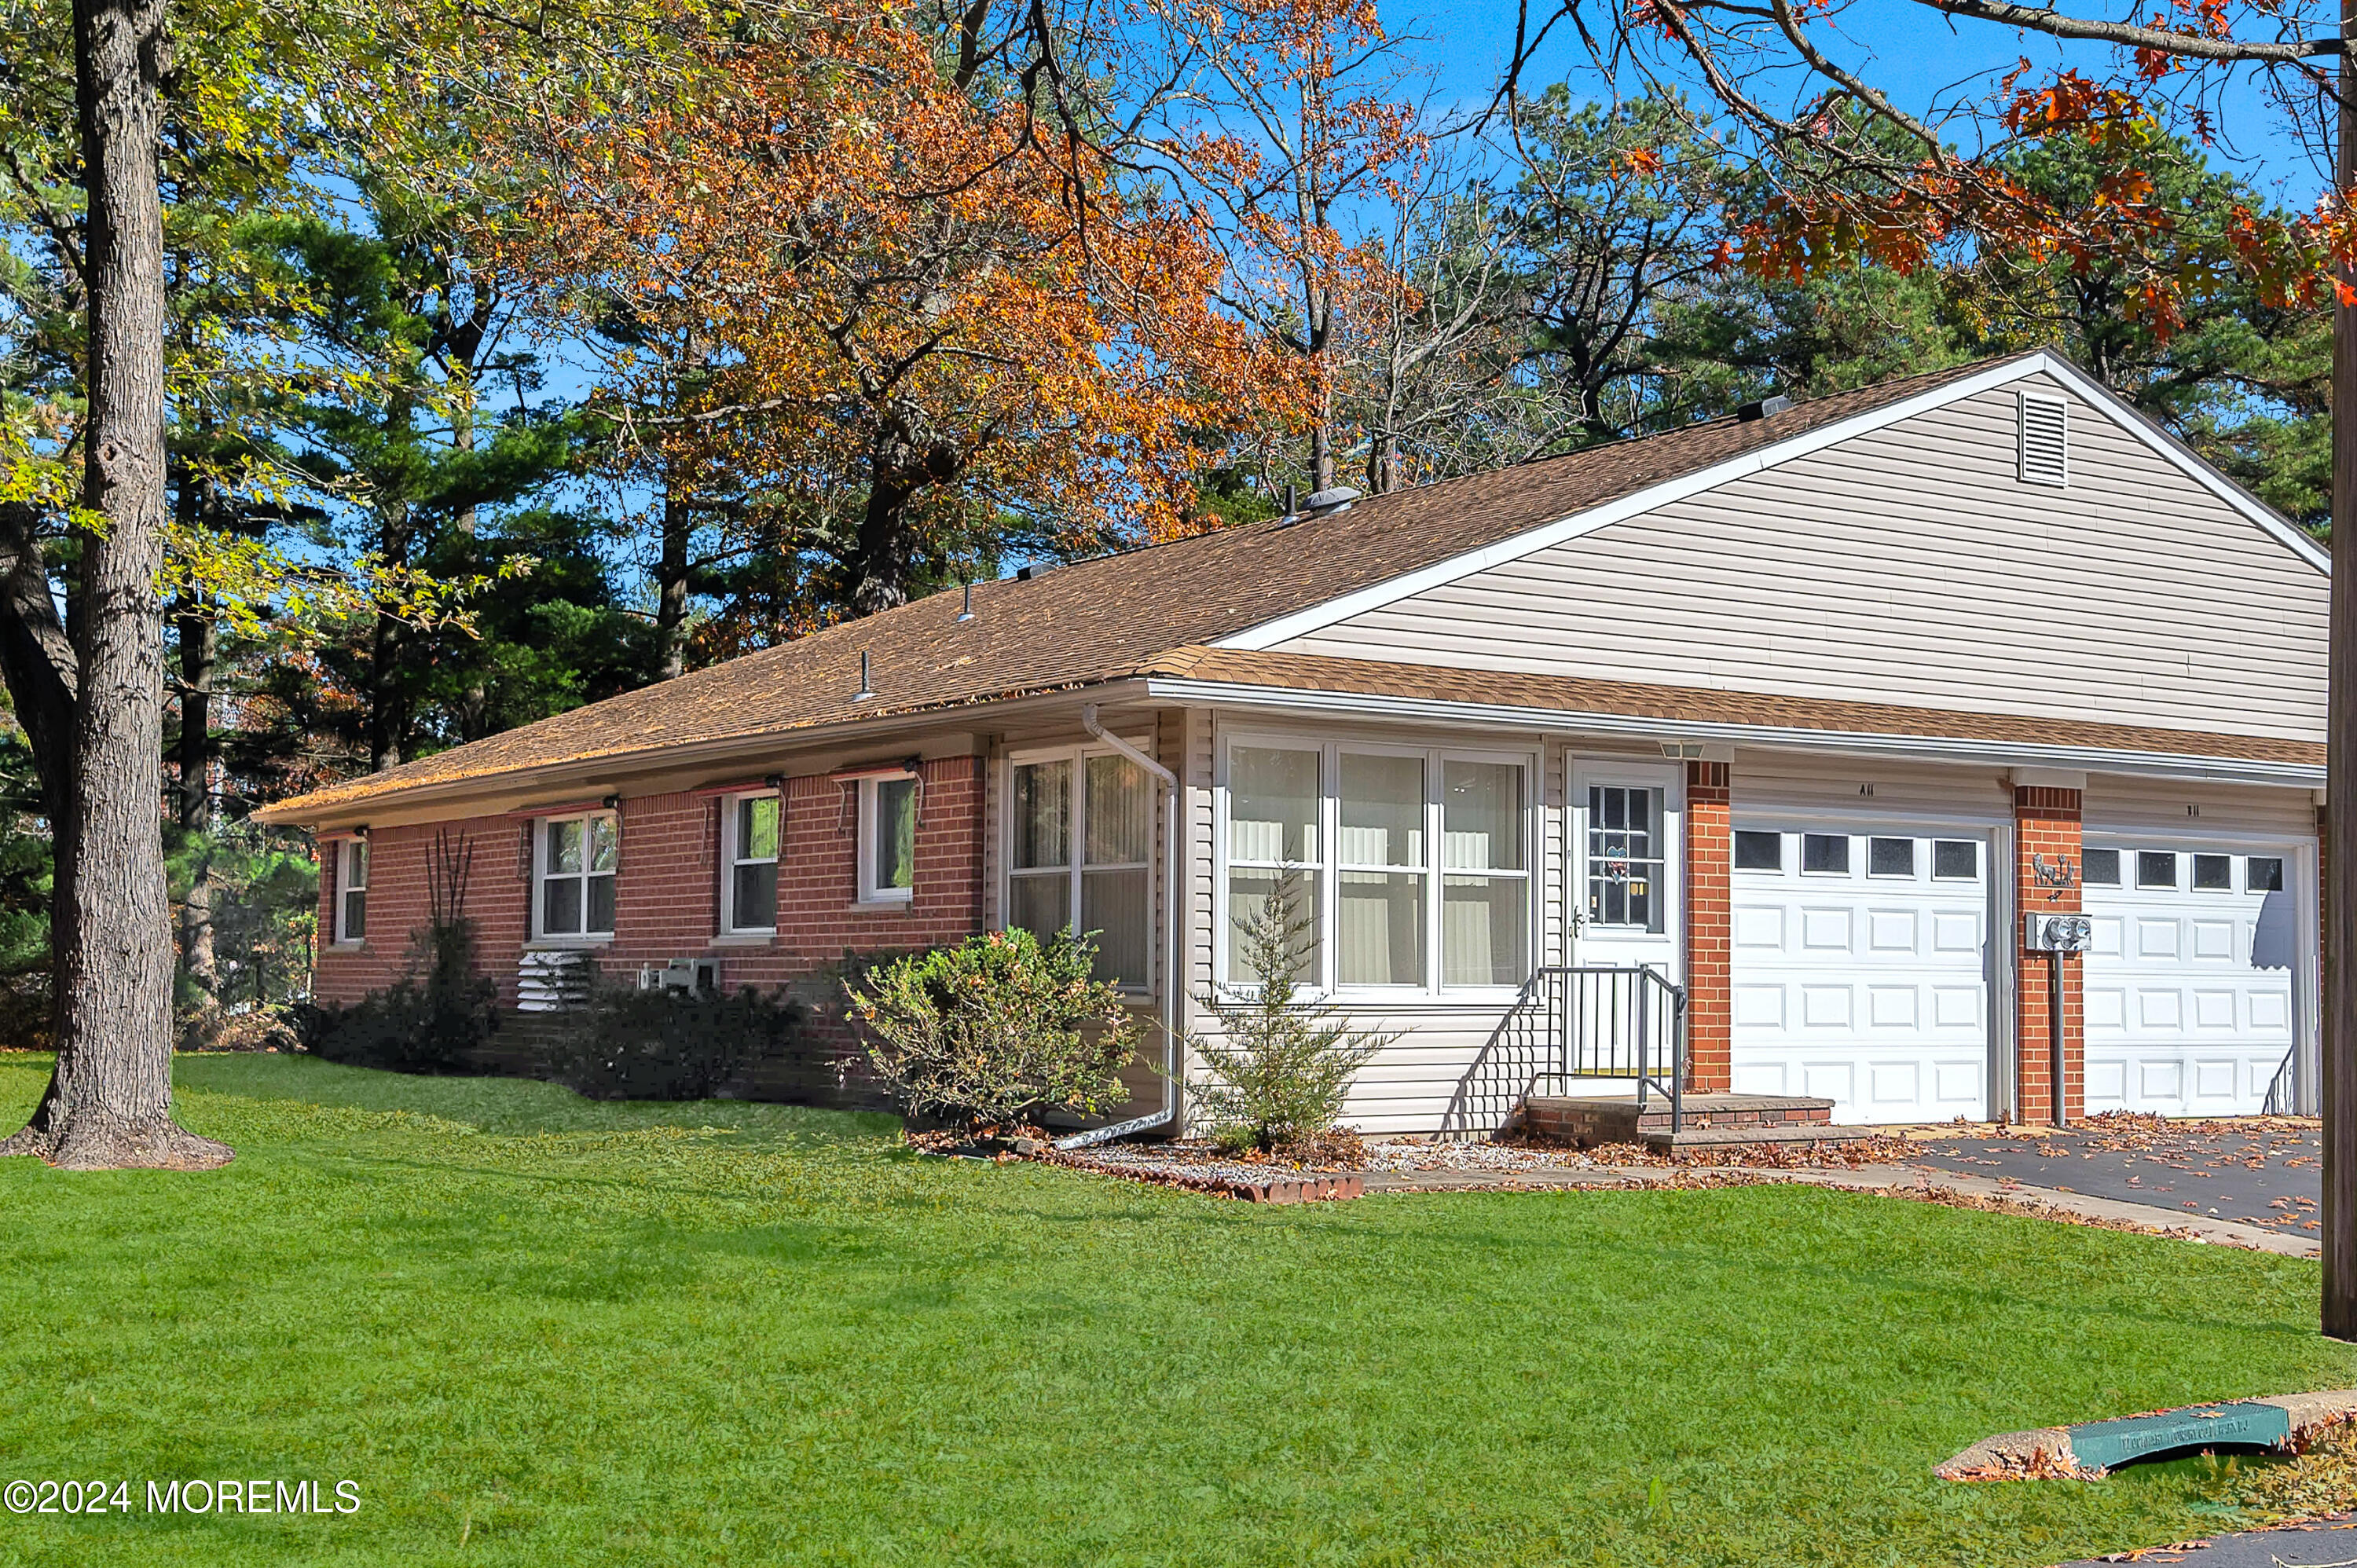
x,y
920,307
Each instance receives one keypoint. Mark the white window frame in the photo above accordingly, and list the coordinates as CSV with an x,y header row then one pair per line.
x,y
1329,747
730,810
540,936
870,785
347,851
1077,757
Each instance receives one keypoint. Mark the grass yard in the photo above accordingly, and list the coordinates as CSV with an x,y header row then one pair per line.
x,y
537,1330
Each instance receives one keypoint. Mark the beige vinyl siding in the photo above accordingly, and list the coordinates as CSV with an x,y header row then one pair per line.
x,y
1911,565
2117,804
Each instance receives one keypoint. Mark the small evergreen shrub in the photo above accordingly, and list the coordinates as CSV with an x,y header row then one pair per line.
x,y
999,1025
1281,1069
629,1043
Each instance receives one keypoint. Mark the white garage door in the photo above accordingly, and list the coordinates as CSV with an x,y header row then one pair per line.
x,y
2191,995
1860,970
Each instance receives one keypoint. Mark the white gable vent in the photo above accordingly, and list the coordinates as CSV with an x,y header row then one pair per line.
x,y
2045,440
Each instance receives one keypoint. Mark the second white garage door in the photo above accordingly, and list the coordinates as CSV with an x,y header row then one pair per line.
x,y
1860,970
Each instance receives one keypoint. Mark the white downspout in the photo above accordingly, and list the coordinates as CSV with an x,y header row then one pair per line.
x,y
1174,967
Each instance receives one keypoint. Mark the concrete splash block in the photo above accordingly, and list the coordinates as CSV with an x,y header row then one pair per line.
x,y
2285,1423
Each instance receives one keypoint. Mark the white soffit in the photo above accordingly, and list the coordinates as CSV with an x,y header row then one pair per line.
x,y
1578,525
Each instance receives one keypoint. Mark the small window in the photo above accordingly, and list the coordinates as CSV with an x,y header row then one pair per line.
x,y
887,839
750,851
2213,872
1827,854
2045,440
1758,851
2101,868
351,890
578,857
1891,857
1956,860
2262,874
2156,869
1627,858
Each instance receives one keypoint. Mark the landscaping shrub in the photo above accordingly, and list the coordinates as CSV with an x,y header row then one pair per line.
x,y
1001,1023
440,1012
1281,1068
629,1043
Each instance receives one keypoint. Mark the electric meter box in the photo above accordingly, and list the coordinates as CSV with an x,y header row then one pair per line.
x,y
2057,933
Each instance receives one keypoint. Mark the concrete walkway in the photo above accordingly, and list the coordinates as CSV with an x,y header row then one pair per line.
x,y
1892,1179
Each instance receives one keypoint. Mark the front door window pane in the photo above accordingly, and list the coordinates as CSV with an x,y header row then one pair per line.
x,y
1625,858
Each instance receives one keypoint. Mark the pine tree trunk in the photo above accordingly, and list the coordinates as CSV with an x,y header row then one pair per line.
x,y
671,583
200,645
109,1103
2337,1052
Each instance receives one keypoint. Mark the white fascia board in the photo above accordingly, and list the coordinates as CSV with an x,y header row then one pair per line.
x,y
1849,742
1271,634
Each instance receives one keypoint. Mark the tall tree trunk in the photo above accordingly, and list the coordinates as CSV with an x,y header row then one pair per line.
x,y
386,644
109,1101
670,578
200,649
2337,1052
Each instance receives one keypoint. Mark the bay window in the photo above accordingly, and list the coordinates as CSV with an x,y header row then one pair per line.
x,y
1080,855
1426,886
748,859
574,868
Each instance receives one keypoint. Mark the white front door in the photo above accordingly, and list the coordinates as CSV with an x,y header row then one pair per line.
x,y
2191,985
1627,858
1860,968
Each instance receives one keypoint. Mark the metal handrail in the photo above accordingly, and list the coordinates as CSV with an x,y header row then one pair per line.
x,y
2283,1090
1579,1021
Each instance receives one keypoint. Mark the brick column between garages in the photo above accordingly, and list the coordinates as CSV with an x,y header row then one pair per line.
x,y
1709,859
2047,823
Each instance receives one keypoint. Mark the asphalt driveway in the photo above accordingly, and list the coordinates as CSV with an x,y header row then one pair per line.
x,y
2259,1170
2331,1543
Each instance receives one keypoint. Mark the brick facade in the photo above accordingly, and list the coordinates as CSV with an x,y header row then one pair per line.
x,y
1709,864
2047,826
667,889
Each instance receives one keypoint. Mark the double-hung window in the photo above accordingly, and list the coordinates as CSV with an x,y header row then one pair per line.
x,y
578,857
1406,870
748,855
1080,855
352,889
887,839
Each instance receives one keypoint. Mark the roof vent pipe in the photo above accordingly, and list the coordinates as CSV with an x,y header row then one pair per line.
x,y
967,613
1766,408
1174,963
867,688
1291,505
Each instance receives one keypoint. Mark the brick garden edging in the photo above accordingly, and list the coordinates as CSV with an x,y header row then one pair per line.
x,y
1303,1188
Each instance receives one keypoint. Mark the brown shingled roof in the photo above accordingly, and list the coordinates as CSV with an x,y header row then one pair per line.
x,y
1686,704
1102,620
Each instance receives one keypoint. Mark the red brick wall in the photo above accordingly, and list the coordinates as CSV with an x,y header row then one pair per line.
x,y
2047,822
666,891
1709,862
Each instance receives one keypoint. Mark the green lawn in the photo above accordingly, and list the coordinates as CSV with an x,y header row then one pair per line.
x,y
536,1330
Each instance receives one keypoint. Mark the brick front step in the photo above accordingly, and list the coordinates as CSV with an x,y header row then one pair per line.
x,y
1731,1118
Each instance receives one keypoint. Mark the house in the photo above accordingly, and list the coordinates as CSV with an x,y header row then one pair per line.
x,y
1802,714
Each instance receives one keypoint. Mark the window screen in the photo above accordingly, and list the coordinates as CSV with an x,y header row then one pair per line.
x,y
1891,857
2213,872
1824,852
2102,868
1955,860
1758,851
2156,869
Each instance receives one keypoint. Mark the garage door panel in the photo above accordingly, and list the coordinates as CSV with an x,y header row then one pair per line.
x,y
2191,1012
1877,997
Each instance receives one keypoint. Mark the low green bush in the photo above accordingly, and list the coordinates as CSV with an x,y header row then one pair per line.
x,y
433,1019
629,1043
998,1027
